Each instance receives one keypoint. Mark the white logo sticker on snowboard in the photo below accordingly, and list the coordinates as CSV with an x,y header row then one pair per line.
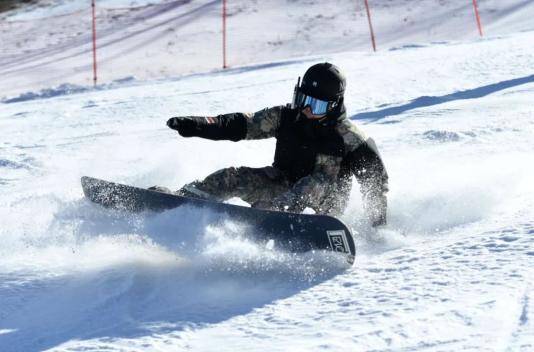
x,y
338,241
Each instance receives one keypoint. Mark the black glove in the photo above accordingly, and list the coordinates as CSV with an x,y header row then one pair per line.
x,y
231,127
379,220
185,125
378,212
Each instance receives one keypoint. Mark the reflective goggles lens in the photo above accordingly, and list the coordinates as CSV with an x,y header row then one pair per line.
x,y
317,106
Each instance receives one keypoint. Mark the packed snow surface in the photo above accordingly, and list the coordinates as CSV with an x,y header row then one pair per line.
x,y
46,46
452,271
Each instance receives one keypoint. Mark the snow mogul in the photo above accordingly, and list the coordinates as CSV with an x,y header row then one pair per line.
x,y
317,151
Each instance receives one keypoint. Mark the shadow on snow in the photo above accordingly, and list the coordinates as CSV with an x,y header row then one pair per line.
x,y
425,101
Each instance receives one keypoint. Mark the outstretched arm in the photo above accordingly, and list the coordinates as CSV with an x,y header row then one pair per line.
x,y
264,123
222,127
233,127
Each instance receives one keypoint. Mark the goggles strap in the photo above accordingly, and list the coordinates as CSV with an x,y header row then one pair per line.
x,y
296,94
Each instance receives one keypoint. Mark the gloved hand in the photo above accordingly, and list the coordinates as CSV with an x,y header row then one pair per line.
x,y
185,125
377,215
379,221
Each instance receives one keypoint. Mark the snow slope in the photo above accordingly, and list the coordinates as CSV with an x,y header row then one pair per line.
x,y
147,39
452,271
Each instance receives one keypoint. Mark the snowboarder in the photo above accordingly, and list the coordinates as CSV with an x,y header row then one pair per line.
x,y
317,151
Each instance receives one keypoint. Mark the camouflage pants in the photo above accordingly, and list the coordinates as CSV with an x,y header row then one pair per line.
x,y
250,184
256,185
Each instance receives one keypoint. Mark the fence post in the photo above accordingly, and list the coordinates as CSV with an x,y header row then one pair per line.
x,y
94,41
475,6
370,25
224,33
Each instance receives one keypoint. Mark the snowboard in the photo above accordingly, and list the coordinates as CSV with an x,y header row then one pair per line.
x,y
289,231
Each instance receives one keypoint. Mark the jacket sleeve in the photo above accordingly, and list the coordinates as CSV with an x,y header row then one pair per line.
x,y
234,126
311,190
231,127
264,123
371,173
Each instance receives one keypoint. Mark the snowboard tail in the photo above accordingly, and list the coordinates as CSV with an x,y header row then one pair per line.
x,y
289,231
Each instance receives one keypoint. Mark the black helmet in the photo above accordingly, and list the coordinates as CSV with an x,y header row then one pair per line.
x,y
324,81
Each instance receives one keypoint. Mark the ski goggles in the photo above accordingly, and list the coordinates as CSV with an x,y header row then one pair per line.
x,y
317,106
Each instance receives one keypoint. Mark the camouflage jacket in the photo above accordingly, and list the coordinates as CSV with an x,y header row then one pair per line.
x,y
318,158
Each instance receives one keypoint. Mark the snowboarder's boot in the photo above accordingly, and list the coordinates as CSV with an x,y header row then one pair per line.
x,y
192,191
160,189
